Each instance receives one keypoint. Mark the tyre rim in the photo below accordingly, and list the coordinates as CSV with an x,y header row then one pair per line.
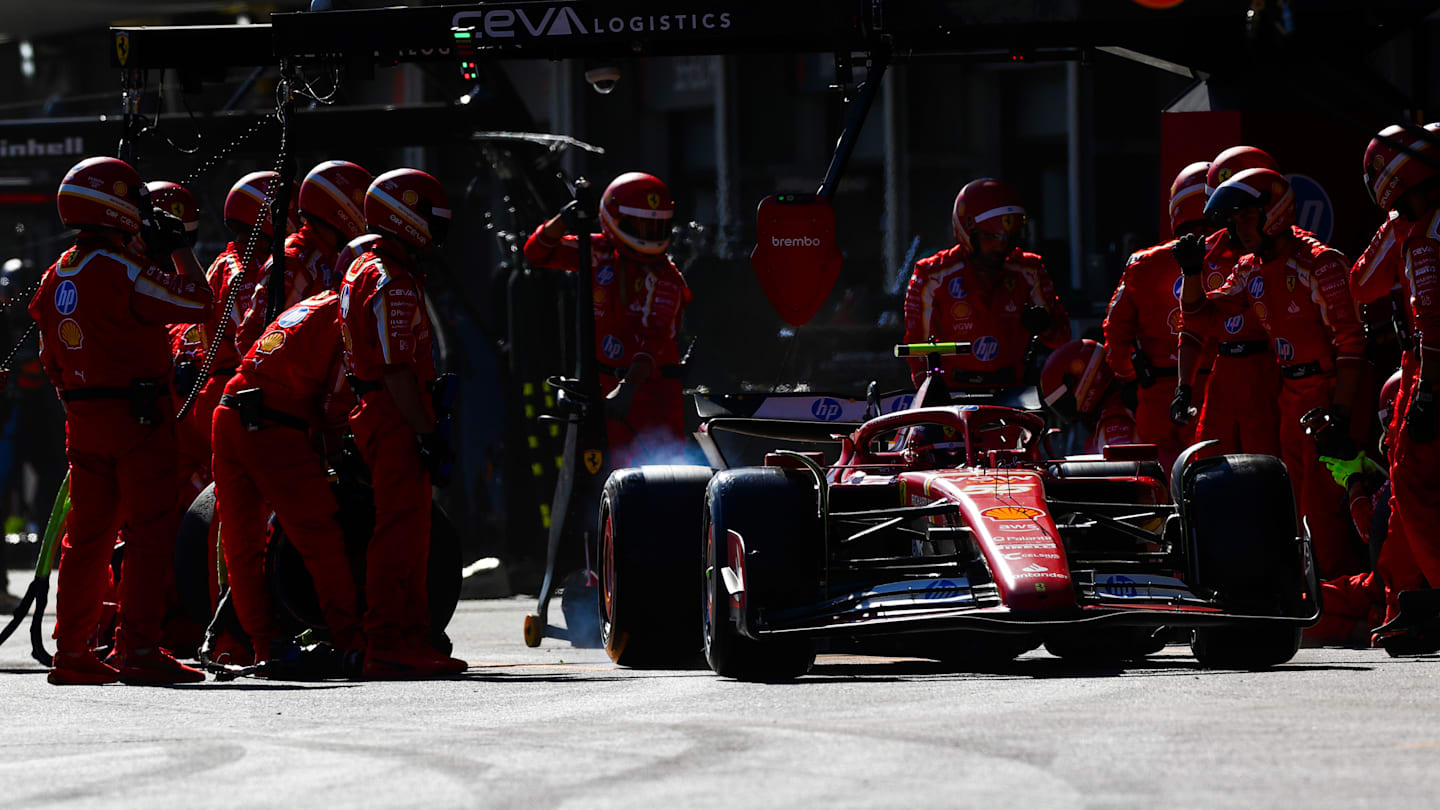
x,y
607,569
708,591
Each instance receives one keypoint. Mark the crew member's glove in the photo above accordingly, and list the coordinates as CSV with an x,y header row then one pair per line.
x,y
164,234
1342,469
570,215
618,402
1420,419
1180,410
1035,319
436,455
1189,253
1130,394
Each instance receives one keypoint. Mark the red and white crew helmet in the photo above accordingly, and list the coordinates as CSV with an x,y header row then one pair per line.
x,y
409,205
1390,171
1234,160
635,212
989,205
100,192
176,200
1255,188
334,193
1077,369
1187,196
353,250
245,204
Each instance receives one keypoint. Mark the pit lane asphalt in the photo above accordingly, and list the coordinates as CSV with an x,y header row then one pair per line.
x,y
561,727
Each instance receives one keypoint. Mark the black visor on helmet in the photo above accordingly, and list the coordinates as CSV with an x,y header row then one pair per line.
x,y
1229,198
650,230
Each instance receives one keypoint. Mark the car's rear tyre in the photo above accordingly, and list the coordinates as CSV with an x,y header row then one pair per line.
x,y
293,590
774,512
1241,536
193,570
649,520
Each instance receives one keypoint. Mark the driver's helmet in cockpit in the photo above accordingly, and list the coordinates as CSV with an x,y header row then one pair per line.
x,y
934,447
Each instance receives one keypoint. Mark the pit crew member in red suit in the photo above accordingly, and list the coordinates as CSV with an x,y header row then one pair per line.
x,y
1401,181
386,334
986,291
1078,383
244,210
1298,289
102,310
330,203
638,297
1143,321
1239,409
262,457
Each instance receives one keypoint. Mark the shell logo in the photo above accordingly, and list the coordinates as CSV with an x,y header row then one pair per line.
x,y
960,310
1377,163
1174,321
1012,513
70,334
271,342
410,197
194,336
358,195
1213,281
120,188
1260,311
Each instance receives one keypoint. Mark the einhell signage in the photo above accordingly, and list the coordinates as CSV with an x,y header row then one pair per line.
x,y
13,150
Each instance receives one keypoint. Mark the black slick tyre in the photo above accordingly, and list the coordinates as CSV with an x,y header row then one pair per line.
x,y
1241,532
774,513
650,518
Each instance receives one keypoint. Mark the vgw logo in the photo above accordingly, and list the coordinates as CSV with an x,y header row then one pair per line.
x,y
826,409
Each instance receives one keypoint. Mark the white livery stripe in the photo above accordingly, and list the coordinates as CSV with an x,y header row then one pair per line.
x,y
339,196
1000,212
401,210
111,200
645,213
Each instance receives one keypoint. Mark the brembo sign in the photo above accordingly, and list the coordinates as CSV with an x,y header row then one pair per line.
x,y
539,20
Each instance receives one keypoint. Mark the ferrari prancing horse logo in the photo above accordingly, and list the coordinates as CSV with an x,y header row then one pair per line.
x,y
122,46
653,199
592,461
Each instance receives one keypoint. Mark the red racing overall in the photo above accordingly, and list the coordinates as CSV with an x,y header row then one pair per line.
x,y
307,271
193,340
1145,310
952,299
296,365
386,329
1116,425
637,309
1415,464
1240,397
1302,299
102,312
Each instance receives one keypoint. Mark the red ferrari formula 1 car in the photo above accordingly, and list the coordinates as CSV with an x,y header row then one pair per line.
x,y
944,529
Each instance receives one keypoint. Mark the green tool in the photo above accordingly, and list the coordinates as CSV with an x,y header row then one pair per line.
x,y
38,594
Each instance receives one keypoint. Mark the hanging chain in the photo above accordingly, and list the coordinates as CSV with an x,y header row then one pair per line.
x,y
272,190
